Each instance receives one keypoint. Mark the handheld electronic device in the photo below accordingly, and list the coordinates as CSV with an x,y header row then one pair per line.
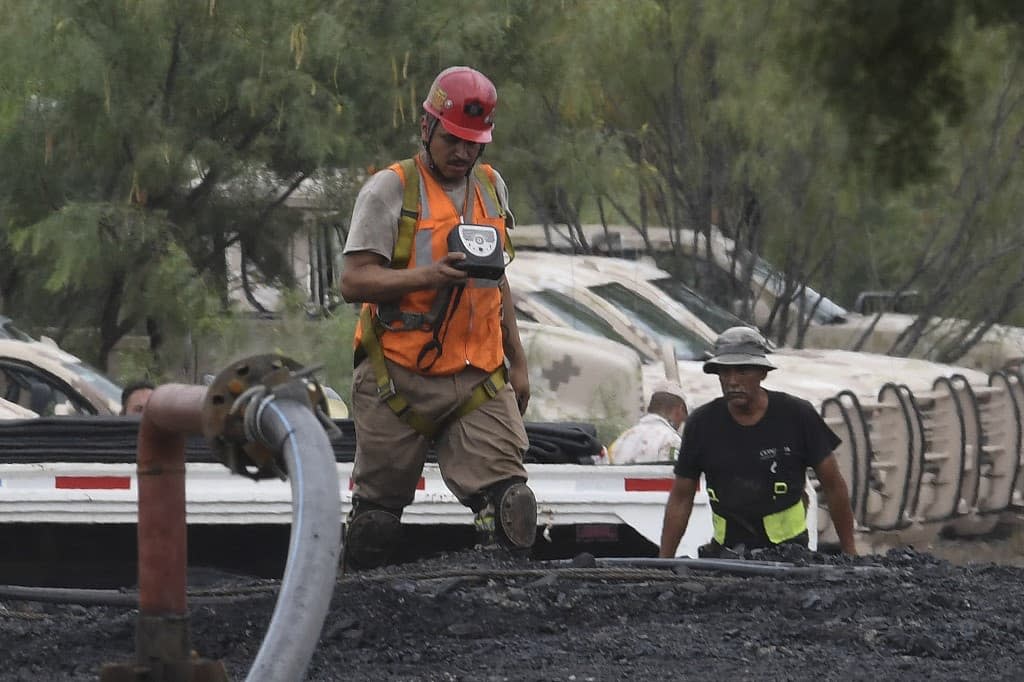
x,y
485,257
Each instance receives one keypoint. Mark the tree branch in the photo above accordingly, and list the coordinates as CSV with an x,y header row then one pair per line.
x,y
172,71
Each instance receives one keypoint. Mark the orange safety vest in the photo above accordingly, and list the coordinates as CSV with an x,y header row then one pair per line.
x,y
473,329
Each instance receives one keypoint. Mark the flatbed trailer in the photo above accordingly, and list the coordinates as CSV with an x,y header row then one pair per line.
x,y
594,502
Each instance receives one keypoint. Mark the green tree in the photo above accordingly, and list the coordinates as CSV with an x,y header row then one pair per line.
x,y
144,131
891,71
713,133
958,236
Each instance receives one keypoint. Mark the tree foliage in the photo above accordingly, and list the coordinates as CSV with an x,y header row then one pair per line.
x,y
149,145
140,131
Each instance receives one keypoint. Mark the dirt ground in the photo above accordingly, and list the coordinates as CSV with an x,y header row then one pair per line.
x,y
471,616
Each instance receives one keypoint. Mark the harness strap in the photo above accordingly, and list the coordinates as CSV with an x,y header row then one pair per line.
x,y
490,193
491,199
409,215
483,392
385,386
387,392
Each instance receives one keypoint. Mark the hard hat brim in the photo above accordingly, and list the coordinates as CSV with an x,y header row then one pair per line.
x,y
736,360
468,134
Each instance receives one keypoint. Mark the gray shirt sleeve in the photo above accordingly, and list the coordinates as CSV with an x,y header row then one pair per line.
x,y
374,225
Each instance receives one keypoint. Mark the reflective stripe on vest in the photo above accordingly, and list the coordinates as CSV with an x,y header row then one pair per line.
x,y
473,332
786,524
779,527
719,525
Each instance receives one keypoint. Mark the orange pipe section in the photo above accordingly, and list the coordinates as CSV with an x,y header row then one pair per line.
x,y
172,412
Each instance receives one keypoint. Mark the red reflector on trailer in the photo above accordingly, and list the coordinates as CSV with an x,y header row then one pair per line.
x,y
636,485
93,482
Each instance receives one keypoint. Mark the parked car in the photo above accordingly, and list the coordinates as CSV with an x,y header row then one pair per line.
x,y
9,331
40,377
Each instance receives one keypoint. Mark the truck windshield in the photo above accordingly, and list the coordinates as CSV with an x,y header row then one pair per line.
x,y
576,315
655,322
821,309
712,314
9,331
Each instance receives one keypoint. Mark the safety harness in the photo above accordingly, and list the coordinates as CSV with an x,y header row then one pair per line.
x,y
779,526
391,318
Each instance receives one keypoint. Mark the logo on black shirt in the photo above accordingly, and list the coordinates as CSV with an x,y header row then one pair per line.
x,y
772,453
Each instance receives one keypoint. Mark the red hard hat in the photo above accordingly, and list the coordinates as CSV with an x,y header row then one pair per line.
x,y
463,100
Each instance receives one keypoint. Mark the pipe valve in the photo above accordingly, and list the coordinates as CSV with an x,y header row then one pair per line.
x,y
232,406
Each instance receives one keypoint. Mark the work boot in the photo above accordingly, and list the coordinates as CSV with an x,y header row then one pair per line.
x,y
483,523
372,538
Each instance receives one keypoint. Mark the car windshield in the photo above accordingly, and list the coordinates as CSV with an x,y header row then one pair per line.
x,y
576,315
659,325
712,314
9,331
104,386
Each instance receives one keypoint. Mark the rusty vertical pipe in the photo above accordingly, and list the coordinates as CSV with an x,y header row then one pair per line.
x,y
163,648
173,411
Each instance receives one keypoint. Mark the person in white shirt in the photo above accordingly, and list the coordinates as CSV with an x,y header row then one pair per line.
x,y
655,438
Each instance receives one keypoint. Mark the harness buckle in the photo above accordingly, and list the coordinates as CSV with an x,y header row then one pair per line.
x,y
387,391
489,387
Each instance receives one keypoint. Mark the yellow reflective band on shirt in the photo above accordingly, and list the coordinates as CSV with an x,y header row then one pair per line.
x,y
719,524
786,524
779,527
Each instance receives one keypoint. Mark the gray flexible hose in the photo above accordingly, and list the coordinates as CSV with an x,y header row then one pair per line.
x,y
315,544
732,566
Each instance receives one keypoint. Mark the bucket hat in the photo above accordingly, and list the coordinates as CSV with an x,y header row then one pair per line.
x,y
739,346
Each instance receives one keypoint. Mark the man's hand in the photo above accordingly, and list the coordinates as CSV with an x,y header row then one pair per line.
x,y
519,378
838,496
518,372
677,515
443,273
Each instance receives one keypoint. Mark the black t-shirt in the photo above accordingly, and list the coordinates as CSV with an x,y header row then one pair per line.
x,y
744,464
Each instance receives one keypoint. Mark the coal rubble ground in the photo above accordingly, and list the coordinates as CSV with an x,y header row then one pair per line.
x,y
469,616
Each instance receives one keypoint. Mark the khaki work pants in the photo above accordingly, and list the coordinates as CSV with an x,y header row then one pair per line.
x,y
479,449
